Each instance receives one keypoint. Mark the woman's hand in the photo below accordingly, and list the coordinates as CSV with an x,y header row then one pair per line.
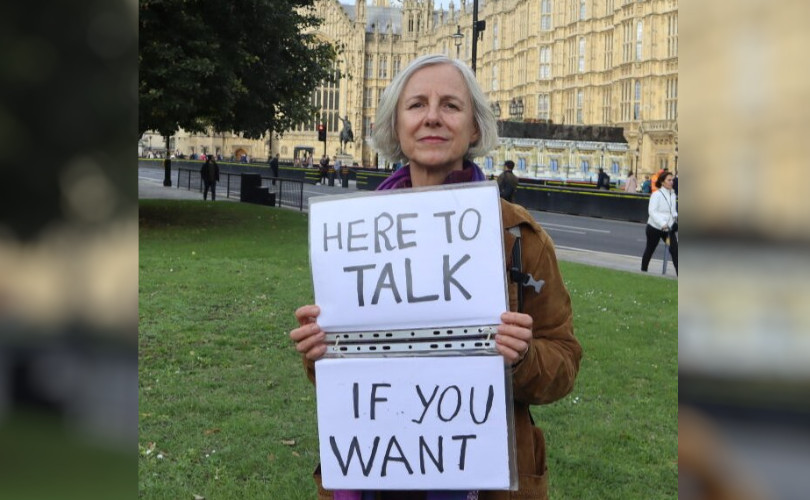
x,y
308,337
514,336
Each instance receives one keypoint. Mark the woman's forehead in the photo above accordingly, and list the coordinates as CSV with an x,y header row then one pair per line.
x,y
437,78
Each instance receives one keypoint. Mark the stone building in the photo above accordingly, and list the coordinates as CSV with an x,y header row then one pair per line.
x,y
611,63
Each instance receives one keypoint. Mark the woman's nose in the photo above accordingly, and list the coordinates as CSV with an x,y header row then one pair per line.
x,y
432,115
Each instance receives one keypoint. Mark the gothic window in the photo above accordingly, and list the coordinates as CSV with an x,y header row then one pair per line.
x,y
585,166
369,66
672,35
545,63
543,106
581,57
627,41
545,15
607,94
672,98
627,94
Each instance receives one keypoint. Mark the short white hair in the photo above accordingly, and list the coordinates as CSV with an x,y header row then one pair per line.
x,y
384,138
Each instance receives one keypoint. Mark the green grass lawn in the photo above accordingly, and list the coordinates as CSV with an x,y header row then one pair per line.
x,y
226,411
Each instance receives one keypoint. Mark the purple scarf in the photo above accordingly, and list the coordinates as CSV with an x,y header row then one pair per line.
x,y
402,177
429,495
398,180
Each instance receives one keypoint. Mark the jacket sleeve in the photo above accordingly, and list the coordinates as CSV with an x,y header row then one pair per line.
x,y
548,370
658,210
309,368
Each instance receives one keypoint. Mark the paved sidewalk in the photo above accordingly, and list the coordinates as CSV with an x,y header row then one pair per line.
x,y
154,189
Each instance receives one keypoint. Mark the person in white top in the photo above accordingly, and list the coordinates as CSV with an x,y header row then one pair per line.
x,y
663,221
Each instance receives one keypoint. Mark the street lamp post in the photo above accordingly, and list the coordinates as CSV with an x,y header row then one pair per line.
x,y
457,36
477,28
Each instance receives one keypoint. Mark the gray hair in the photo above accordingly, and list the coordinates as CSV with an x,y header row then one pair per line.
x,y
384,138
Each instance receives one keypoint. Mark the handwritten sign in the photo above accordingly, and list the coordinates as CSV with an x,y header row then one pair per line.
x,y
413,423
414,258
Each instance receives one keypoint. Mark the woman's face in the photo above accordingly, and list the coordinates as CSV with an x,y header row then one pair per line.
x,y
667,183
435,124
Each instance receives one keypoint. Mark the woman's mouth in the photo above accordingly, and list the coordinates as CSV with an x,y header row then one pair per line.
x,y
432,139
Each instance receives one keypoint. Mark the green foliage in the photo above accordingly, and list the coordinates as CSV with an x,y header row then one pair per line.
x,y
245,66
226,411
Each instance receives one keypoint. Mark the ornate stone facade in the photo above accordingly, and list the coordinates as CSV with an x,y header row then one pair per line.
x,y
573,62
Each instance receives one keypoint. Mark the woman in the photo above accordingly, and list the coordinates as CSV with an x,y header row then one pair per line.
x,y
662,223
435,117
631,184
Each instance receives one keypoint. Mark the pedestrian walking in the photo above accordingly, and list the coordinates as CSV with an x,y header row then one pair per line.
x,y
646,186
662,223
602,180
274,168
631,184
508,181
324,168
210,176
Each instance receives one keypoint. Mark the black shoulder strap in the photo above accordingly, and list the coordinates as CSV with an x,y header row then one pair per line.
x,y
516,271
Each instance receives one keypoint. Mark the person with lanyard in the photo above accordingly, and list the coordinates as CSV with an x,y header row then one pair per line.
x,y
434,117
662,223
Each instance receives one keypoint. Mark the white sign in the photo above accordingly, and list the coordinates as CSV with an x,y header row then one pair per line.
x,y
413,423
415,258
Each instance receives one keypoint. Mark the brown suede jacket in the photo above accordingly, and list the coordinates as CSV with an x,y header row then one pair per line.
x,y
548,370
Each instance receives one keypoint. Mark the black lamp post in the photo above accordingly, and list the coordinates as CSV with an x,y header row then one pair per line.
x,y
457,36
478,27
516,109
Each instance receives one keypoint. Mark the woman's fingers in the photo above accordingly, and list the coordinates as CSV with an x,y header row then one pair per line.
x,y
307,314
308,337
514,336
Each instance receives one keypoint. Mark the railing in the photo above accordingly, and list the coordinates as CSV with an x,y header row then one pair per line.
x,y
289,192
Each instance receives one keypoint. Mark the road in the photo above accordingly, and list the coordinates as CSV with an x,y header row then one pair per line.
x,y
584,239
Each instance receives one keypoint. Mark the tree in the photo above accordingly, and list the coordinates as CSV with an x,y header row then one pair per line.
x,y
244,66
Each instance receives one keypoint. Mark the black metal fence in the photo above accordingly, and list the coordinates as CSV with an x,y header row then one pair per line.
x,y
289,192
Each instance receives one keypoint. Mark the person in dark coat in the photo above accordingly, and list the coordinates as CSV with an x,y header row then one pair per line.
x,y
210,176
602,180
508,181
274,168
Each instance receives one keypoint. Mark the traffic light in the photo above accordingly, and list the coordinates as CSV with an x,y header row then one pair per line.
x,y
322,132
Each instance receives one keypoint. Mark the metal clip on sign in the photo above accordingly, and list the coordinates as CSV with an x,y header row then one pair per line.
x,y
434,341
